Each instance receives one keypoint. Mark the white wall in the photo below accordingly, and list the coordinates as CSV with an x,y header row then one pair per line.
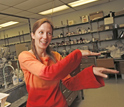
x,y
114,6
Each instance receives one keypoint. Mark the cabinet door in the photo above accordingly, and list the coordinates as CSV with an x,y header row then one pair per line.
x,y
62,87
121,66
86,62
82,66
76,71
71,98
91,60
66,92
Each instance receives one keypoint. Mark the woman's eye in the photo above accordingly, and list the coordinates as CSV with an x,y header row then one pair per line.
x,y
49,33
41,32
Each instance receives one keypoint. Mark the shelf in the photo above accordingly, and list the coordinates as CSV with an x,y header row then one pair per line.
x,y
120,28
58,38
119,16
90,21
74,44
15,36
90,42
106,30
79,24
71,25
83,34
17,43
79,34
110,40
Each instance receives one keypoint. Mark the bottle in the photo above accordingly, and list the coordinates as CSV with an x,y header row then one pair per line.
x,y
110,13
20,76
79,31
15,79
88,29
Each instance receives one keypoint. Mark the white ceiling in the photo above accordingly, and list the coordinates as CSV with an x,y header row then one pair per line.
x,y
31,8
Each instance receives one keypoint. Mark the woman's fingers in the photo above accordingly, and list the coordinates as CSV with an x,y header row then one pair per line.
x,y
100,71
110,71
101,74
94,53
89,53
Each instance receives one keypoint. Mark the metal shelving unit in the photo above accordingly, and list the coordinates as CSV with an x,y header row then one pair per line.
x,y
92,32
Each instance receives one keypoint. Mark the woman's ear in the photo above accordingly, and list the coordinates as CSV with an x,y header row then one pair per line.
x,y
32,35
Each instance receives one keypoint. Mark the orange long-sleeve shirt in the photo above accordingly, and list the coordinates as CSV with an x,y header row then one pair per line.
x,y
42,79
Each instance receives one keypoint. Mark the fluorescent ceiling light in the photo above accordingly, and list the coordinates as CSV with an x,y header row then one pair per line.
x,y
80,2
56,9
8,24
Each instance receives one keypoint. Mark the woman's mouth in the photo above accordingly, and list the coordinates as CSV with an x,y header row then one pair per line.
x,y
44,42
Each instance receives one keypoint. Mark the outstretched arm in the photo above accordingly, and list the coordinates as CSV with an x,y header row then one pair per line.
x,y
83,80
90,77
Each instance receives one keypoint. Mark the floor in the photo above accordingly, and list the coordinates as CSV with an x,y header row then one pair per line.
x,y
112,95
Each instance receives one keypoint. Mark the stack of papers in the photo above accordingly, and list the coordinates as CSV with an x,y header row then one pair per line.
x,y
3,97
6,104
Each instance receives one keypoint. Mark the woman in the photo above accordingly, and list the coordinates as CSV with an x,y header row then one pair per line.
x,y
43,69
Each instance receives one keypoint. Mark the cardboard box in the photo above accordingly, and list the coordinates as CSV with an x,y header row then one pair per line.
x,y
121,25
108,20
96,15
101,28
85,19
71,22
119,13
108,27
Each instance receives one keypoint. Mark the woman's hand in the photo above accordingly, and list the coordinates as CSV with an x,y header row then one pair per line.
x,y
100,71
86,53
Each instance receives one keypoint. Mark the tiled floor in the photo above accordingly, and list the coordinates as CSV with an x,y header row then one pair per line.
x,y
112,95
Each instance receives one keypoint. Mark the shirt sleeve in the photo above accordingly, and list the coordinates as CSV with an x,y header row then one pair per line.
x,y
54,72
83,80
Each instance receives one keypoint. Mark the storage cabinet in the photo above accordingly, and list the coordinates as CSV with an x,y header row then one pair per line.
x,y
120,66
68,94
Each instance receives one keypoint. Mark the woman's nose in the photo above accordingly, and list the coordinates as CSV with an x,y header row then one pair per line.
x,y
45,36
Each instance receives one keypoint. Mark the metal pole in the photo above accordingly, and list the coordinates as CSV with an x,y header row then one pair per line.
x,y
29,26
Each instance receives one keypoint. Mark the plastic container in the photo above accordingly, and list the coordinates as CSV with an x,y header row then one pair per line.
x,y
15,79
21,76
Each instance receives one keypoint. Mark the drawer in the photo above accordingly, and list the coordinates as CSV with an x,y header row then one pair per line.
x,y
121,67
72,97
62,87
76,71
85,65
66,92
88,60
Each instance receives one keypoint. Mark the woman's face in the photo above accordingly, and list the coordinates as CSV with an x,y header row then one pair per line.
x,y
43,36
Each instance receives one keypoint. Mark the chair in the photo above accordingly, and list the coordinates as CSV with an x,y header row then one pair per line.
x,y
106,63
